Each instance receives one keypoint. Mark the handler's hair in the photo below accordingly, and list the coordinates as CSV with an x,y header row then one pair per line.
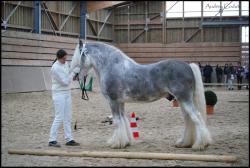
x,y
59,54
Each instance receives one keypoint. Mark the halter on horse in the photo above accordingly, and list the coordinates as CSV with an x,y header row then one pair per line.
x,y
123,80
84,91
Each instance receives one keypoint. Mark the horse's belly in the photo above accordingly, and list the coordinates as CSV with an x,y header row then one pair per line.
x,y
144,95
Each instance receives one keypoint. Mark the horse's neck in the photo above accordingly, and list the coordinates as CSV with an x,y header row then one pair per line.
x,y
97,65
101,63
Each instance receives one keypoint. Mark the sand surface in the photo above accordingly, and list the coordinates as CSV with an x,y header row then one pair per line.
x,y
27,118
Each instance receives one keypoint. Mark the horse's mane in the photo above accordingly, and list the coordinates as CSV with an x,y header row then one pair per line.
x,y
119,52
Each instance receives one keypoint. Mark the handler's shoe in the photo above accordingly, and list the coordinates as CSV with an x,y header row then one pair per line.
x,y
72,143
54,144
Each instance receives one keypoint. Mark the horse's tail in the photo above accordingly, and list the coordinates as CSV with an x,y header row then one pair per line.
x,y
199,96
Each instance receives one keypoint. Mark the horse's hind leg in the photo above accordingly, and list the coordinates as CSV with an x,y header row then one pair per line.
x,y
122,135
188,136
200,134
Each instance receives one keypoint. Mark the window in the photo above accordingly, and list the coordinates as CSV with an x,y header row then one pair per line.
x,y
245,8
192,8
211,8
230,8
245,34
174,9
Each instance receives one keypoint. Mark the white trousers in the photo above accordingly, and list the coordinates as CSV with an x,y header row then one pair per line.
x,y
63,114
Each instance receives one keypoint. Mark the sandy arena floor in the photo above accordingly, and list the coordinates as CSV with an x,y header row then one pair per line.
x,y
27,117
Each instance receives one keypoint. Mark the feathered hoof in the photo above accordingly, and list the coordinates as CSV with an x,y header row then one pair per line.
x,y
199,147
117,145
181,144
203,144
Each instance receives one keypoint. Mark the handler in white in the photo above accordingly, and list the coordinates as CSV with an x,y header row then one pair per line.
x,y
61,95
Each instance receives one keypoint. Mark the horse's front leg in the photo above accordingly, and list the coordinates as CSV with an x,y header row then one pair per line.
x,y
122,135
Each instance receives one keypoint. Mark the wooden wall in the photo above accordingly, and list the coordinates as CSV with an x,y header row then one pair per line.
x,y
135,22
130,21
145,22
61,18
27,58
29,49
207,52
16,20
97,20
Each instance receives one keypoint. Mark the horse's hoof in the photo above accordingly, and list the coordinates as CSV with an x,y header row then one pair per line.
x,y
198,147
181,144
117,146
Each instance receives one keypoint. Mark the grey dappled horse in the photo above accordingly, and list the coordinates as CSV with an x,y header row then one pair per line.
x,y
123,80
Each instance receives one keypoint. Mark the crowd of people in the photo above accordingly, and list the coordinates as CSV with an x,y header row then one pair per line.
x,y
228,74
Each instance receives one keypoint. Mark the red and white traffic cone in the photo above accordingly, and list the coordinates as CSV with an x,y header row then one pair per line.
x,y
133,126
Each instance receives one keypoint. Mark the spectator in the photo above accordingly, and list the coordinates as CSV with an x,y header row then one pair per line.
x,y
201,69
239,74
219,73
230,82
207,72
231,74
246,75
226,74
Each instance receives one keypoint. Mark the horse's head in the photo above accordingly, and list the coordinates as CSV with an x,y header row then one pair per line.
x,y
80,59
76,59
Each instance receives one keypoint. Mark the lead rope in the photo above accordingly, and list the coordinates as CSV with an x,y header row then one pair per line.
x,y
84,91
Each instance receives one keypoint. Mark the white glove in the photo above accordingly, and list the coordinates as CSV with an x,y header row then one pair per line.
x,y
76,70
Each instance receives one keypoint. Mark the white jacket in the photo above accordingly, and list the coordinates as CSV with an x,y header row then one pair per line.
x,y
61,78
